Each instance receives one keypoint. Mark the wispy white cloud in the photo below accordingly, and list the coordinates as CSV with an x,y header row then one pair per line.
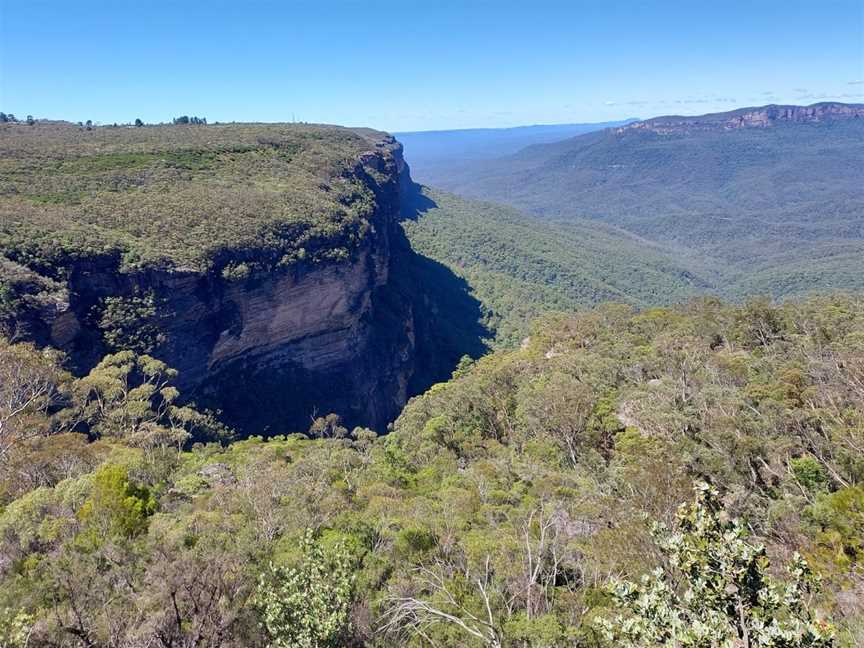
x,y
856,82
697,100
804,95
707,99
683,101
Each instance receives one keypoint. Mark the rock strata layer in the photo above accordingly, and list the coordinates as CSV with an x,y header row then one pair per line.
x,y
274,349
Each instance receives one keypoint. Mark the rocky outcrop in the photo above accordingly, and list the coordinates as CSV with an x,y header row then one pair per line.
x,y
761,117
272,349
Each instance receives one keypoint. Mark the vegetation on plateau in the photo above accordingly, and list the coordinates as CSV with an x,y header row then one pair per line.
x,y
186,195
530,501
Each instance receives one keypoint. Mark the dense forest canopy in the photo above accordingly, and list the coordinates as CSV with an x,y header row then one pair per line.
x,y
499,511
620,471
564,348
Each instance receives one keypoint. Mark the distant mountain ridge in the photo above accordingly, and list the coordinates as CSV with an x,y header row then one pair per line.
x,y
759,200
758,117
434,155
492,142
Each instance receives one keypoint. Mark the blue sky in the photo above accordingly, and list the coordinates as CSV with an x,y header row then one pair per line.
x,y
410,65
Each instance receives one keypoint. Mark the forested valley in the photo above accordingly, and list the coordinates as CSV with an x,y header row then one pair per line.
x,y
509,506
260,388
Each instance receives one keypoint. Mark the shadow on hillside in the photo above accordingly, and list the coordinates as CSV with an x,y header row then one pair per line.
x,y
414,202
448,318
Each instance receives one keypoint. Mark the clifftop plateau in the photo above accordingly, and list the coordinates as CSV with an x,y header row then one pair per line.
x,y
182,196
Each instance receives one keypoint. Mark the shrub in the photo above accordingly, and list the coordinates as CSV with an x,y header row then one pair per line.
x,y
308,606
728,599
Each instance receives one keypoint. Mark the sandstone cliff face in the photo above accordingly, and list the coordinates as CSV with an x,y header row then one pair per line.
x,y
762,117
273,349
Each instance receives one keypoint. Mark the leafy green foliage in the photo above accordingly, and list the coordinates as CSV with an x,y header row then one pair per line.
x,y
728,598
129,323
497,511
116,506
31,384
132,397
809,473
307,607
15,628
22,290
838,521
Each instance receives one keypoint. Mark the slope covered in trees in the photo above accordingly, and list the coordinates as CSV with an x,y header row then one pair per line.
x,y
498,512
764,199
519,268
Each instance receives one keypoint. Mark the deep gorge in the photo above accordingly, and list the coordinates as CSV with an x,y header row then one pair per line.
x,y
273,350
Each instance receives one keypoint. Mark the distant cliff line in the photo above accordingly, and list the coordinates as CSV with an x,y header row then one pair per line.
x,y
758,117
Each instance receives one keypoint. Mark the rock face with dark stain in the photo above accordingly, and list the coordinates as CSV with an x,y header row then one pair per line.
x,y
272,350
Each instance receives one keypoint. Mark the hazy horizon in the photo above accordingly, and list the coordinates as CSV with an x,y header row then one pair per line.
x,y
405,67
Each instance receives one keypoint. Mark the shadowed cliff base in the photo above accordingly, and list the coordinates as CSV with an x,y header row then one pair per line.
x,y
447,317
425,312
422,322
415,202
